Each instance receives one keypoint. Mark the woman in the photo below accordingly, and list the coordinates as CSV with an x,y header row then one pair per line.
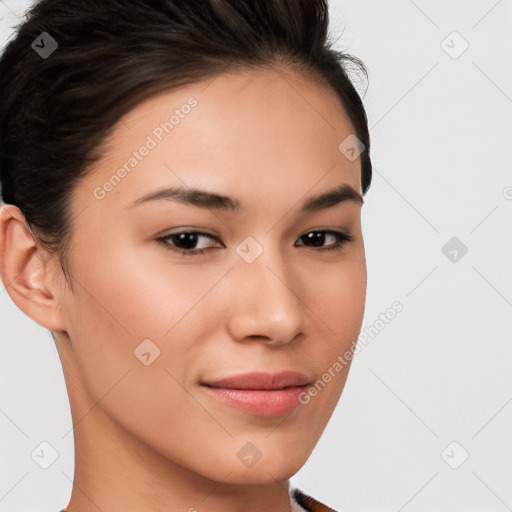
x,y
183,185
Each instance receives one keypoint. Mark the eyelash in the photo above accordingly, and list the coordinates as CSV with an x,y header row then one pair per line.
x,y
342,239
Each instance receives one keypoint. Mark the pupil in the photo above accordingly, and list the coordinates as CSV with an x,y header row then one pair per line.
x,y
191,236
316,238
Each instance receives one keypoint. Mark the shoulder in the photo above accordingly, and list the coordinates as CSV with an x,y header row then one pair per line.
x,y
306,502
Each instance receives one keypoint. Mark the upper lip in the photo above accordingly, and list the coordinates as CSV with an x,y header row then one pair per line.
x,y
260,380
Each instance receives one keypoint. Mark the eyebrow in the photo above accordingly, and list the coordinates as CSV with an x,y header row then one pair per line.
x,y
210,200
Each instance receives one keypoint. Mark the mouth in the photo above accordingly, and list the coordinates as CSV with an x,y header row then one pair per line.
x,y
263,394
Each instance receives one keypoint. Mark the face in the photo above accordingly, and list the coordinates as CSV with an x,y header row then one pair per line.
x,y
180,290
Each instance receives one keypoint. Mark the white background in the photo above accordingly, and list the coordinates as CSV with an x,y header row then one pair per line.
x,y
439,372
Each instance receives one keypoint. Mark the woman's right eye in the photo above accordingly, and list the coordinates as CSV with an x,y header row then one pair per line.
x,y
185,239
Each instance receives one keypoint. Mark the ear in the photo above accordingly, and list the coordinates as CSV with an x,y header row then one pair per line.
x,y
27,273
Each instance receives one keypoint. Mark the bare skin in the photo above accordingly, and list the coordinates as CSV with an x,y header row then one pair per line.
x,y
148,437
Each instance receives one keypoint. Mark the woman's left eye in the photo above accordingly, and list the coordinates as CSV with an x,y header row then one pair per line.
x,y
190,238
341,237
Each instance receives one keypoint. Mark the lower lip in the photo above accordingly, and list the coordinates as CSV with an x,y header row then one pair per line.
x,y
262,402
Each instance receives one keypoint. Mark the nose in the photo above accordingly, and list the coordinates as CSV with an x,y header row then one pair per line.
x,y
266,306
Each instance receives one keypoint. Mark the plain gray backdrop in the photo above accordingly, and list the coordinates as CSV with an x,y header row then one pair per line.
x,y
425,420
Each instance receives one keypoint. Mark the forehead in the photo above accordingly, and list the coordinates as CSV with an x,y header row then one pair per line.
x,y
247,134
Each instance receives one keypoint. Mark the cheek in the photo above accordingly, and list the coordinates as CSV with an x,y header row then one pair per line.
x,y
337,294
336,300
120,303
137,295
126,297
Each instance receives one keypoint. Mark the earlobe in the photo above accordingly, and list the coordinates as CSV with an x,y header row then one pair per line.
x,y
25,273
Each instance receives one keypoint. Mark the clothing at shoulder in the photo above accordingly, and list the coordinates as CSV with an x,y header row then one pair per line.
x,y
301,502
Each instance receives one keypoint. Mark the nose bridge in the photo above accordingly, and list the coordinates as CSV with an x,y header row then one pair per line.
x,y
265,302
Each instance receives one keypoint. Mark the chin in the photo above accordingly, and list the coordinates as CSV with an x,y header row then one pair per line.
x,y
278,467
262,476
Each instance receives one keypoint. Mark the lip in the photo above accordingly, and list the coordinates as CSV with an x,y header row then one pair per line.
x,y
260,393
260,380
